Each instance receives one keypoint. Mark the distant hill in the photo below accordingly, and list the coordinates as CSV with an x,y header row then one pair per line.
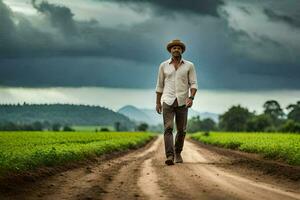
x,y
155,117
63,114
203,115
151,117
135,114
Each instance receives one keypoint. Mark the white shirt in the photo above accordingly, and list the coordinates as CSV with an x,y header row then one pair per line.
x,y
176,83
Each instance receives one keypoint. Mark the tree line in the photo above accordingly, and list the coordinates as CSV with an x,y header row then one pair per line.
x,y
32,116
238,118
47,126
35,126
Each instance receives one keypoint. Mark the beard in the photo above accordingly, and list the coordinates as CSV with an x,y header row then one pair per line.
x,y
176,53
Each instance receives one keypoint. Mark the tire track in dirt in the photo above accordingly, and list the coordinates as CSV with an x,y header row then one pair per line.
x,y
200,177
128,183
106,179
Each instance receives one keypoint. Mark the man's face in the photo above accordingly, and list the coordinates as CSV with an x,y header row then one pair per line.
x,y
176,51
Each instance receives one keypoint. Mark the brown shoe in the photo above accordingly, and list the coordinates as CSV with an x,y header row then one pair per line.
x,y
178,158
170,160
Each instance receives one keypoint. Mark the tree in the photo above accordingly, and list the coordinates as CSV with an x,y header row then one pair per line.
x,y
259,123
294,112
47,125
67,128
207,125
104,129
235,119
194,124
142,127
273,109
9,126
37,126
290,126
117,126
56,127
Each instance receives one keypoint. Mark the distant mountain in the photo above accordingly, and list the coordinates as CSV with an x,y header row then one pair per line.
x,y
63,114
203,115
136,114
151,117
213,116
155,117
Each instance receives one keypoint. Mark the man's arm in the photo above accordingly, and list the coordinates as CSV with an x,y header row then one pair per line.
x,y
160,80
193,81
158,97
193,91
159,89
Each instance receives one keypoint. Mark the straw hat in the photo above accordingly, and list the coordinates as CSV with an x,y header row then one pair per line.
x,y
175,42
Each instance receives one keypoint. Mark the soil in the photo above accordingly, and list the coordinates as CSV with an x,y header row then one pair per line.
x,y
208,172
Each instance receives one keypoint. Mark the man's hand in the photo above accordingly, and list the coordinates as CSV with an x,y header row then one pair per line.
x,y
188,103
158,108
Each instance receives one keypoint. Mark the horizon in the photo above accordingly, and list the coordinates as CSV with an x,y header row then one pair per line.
x,y
115,98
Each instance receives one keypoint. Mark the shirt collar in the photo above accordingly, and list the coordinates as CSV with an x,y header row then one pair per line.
x,y
171,59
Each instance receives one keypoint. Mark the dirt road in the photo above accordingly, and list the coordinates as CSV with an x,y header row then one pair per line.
x,y
142,174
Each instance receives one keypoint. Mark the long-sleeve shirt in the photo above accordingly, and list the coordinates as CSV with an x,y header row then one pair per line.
x,y
174,83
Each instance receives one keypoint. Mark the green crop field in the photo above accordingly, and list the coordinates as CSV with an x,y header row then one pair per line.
x,y
21,151
281,146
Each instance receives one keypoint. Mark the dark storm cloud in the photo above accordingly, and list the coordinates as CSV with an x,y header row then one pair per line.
x,y
60,16
7,25
7,28
245,10
169,7
64,51
75,72
22,39
69,38
35,56
282,17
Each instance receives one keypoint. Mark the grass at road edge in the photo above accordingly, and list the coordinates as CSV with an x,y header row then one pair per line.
x,y
277,146
21,151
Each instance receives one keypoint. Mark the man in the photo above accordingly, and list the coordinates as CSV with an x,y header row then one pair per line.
x,y
175,77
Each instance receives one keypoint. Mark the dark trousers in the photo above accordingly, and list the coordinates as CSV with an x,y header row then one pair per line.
x,y
180,114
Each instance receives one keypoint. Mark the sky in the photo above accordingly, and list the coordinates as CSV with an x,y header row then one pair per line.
x,y
242,50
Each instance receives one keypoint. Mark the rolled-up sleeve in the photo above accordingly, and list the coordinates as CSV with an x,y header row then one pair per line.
x,y
193,77
160,80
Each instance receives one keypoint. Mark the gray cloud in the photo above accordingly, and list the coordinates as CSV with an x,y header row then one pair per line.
x,y
7,28
81,71
170,7
260,34
63,51
72,38
294,22
245,10
60,17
